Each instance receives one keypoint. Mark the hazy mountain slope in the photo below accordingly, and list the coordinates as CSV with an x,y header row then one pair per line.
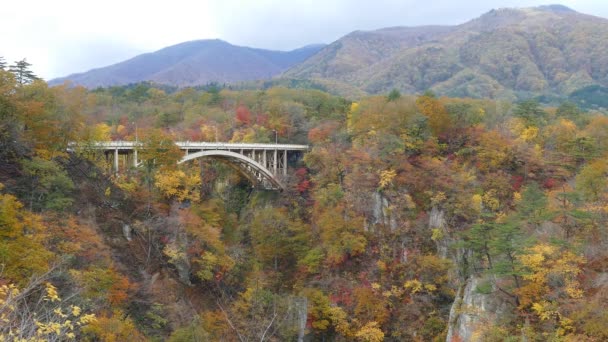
x,y
504,53
195,63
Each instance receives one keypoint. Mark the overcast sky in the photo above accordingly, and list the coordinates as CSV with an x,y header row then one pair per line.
x,y
60,37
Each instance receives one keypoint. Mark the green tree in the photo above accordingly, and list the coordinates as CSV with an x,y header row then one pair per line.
x,y
22,72
9,119
569,111
531,112
2,63
49,186
278,241
533,206
393,95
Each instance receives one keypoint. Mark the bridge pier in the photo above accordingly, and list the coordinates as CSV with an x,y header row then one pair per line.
x,y
264,163
115,160
285,163
275,161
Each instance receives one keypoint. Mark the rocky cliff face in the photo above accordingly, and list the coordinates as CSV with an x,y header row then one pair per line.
x,y
473,310
477,303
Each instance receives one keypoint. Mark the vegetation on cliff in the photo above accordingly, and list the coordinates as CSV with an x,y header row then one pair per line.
x,y
398,202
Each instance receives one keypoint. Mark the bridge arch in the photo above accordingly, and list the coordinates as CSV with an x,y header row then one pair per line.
x,y
254,171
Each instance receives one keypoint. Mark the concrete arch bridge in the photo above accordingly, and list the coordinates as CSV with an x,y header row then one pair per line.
x,y
265,165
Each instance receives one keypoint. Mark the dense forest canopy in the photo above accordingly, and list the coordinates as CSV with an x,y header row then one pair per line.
x,y
404,206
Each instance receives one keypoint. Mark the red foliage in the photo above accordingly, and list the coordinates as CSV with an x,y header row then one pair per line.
x,y
303,186
517,181
343,296
303,182
549,183
323,132
243,115
193,134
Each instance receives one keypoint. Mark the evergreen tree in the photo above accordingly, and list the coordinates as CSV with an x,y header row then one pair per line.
x,y
533,207
22,72
2,63
393,95
531,112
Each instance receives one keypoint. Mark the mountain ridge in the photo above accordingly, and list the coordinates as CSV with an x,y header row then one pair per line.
x,y
504,53
194,63
508,53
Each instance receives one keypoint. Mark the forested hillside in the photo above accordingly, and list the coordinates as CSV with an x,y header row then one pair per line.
x,y
507,53
194,63
410,219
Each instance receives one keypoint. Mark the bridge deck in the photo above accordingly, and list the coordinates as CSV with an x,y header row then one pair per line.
x,y
200,145
264,164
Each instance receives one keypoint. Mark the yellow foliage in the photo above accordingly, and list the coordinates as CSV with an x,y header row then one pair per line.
x,y
354,107
438,198
413,286
516,126
490,201
437,234
51,293
476,201
178,185
209,133
100,132
409,202
339,320
56,324
386,178
430,287
544,261
528,134
516,197
370,333
114,328
21,241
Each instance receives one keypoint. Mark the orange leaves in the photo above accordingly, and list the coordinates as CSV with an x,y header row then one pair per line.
x,y
324,132
104,284
243,115
119,292
114,327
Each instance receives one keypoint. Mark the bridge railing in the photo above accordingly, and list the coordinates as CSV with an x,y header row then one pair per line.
x,y
184,145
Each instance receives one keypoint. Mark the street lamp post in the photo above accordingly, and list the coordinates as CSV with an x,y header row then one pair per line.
x,y
276,136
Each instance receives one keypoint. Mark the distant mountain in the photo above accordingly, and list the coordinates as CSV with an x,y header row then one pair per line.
x,y
505,53
195,63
